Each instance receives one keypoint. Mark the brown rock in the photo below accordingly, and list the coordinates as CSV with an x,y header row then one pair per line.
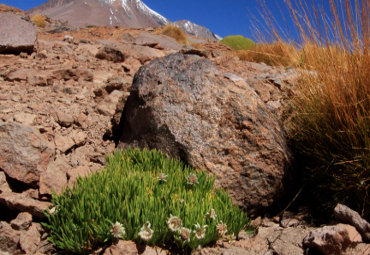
x,y
61,118
30,239
24,154
333,239
74,173
166,42
4,186
287,223
42,54
16,34
75,74
35,80
81,120
23,203
130,248
289,241
256,222
63,143
9,238
55,177
25,118
79,156
194,51
22,222
346,215
79,138
189,110
120,52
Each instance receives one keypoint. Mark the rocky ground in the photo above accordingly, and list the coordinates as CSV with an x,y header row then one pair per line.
x,y
60,114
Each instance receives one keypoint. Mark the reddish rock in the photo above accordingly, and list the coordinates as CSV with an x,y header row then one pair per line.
x,y
30,239
9,238
131,248
63,143
333,239
4,186
187,108
16,34
24,203
22,222
346,215
24,154
81,120
25,118
166,42
73,174
79,138
55,177
61,118
75,74
121,52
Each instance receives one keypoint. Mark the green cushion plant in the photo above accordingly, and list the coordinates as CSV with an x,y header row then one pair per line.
x,y
145,197
238,42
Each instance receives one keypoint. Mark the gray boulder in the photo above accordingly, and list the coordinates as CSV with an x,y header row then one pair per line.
x,y
184,106
16,34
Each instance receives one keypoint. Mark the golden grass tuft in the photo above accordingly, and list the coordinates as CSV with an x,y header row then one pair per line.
x,y
277,53
196,45
175,32
39,20
330,121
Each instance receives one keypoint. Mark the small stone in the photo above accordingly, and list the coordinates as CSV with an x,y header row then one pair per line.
x,y
23,55
30,239
63,143
9,238
22,222
68,39
286,223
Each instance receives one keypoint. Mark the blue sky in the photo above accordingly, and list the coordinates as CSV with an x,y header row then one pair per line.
x,y
220,16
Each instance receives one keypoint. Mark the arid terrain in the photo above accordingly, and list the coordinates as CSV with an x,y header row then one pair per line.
x,y
63,108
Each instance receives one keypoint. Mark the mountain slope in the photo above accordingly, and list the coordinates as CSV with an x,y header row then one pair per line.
x,y
125,13
196,30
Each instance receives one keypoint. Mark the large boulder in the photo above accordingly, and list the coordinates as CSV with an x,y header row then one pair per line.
x,y
184,106
16,34
24,154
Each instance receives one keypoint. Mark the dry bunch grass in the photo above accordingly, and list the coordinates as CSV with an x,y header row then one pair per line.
x,y
175,32
331,124
39,20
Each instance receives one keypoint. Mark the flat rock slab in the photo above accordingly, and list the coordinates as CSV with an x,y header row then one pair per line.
x,y
16,34
24,154
24,203
187,108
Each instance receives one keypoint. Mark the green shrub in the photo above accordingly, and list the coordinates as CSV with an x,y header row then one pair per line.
x,y
139,196
238,42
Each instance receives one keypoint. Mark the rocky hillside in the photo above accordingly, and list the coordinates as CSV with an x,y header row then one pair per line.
x,y
124,13
78,95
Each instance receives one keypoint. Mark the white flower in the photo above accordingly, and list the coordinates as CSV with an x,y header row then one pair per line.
x,y
192,179
117,230
145,232
222,228
231,238
184,235
212,214
174,223
54,210
200,232
162,177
